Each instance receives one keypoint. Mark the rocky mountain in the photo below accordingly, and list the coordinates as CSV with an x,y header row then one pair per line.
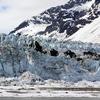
x,y
65,19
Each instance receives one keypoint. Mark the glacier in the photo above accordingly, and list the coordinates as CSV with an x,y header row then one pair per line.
x,y
18,54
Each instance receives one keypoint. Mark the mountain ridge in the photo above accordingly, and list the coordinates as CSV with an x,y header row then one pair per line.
x,y
68,19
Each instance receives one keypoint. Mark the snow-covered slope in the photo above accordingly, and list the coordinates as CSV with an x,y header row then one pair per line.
x,y
89,33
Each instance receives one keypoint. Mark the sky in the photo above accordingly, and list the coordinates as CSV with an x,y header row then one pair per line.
x,y
13,12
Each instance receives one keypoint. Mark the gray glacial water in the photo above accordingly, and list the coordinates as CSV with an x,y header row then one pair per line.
x,y
48,98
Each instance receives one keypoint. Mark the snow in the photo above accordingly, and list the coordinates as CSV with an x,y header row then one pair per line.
x,y
88,4
32,29
89,33
85,6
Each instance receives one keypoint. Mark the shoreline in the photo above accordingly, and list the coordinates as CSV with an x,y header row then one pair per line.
x,y
47,92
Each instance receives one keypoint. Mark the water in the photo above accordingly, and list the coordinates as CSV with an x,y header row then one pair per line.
x,y
48,98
